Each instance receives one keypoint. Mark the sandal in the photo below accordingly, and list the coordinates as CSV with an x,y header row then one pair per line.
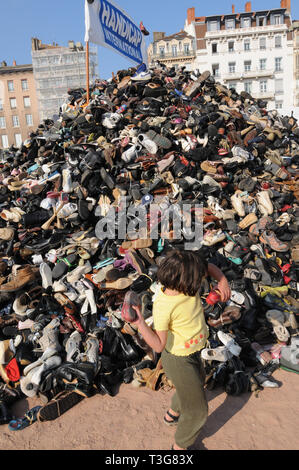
x,y
21,423
63,402
174,419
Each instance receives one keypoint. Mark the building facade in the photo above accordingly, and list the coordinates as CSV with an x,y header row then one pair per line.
x,y
57,69
18,104
295,29
173,51
248,51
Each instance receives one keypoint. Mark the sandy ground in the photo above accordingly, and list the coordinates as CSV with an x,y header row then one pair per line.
x,y
133,421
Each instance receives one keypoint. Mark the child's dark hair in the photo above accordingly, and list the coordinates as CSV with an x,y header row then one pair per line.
x,y
182,271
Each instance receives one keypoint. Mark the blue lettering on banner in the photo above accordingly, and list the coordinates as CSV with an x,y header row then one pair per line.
x,y
120,32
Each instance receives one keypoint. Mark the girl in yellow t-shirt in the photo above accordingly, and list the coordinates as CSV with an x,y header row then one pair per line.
x,y
180,333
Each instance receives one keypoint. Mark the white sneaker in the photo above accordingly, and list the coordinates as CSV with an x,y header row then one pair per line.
x,y
110,120
131,153
46,275
150,145
265,204
229,342
221,354
237,203
67,185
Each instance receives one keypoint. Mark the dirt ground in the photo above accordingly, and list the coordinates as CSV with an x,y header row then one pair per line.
x,y
132,420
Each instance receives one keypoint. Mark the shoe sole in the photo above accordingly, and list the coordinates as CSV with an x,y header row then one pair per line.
x,y
59,405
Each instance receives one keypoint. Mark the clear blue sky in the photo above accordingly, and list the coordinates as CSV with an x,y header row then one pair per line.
x,y
63,20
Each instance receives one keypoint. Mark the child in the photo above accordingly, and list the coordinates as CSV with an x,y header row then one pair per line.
x,y
180,333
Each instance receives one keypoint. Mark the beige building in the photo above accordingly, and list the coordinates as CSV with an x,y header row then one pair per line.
x,y
173,51
18,104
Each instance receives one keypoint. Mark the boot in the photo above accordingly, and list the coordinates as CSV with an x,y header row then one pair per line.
x,y
5,415
20,279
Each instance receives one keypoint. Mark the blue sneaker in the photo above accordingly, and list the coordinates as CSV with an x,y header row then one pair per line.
x,y
142,73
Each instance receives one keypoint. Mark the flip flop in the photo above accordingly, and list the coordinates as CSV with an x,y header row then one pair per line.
x,y
174,421
21,423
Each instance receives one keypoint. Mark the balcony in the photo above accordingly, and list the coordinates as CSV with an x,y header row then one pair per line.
x,y
255,73
171,56
265,95
246,31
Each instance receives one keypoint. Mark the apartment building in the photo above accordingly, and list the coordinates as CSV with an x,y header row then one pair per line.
x,y
295,29
249,51
57,69
175,50
18,104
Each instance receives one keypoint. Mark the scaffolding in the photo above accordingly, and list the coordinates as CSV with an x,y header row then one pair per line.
x,y
57,69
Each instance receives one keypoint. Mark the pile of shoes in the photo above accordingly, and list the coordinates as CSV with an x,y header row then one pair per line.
x,y
70,200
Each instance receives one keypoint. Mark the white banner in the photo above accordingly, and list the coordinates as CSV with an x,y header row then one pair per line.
x,y
108,25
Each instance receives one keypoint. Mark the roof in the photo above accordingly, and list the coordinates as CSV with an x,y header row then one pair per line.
x,y
179,36
248,13
16,68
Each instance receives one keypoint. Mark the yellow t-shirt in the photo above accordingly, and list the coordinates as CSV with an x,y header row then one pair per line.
x,y
184,319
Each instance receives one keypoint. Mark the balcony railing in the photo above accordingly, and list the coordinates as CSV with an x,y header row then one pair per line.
x,y
172,55
248,74
243,31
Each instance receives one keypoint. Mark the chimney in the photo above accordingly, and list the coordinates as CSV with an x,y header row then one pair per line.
x,y
158,36
233,9
190,15
248,7
288,5
14,63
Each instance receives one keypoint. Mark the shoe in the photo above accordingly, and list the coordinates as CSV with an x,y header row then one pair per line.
x,y
59,405
221,354
22,277
229,342
269,238
72,347
142,74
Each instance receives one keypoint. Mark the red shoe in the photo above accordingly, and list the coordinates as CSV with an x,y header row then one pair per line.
x,y
143,29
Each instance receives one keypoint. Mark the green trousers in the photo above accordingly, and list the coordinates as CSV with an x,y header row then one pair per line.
x,y
188,376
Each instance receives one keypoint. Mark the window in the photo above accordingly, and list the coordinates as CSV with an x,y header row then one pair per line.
x,y
261,21
215,69
262,43
213,26
278,104
245,23
278,64
18,140
231,46
4,140
1,105
263,86
279,86
10,85
277,41
180,45
187,49
162,51
24,84
27,103
263,63
247,45
13,103
277,19
231,85
29,120
174,51
214,48
232,67
247,66
2,123
15,121
248,87
230,24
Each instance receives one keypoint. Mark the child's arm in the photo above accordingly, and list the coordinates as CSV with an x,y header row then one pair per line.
x,y
223,285
155,339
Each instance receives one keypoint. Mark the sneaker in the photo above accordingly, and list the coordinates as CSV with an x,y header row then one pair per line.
x,y
72,347
142,74
229,342
221,354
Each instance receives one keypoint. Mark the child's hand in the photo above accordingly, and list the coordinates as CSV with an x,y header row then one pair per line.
x,y
140,318
224,289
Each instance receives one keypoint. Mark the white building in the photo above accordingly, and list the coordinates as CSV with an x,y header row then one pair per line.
x,y
249,51
57,69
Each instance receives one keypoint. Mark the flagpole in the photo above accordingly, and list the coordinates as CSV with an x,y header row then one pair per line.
x,y
87,70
